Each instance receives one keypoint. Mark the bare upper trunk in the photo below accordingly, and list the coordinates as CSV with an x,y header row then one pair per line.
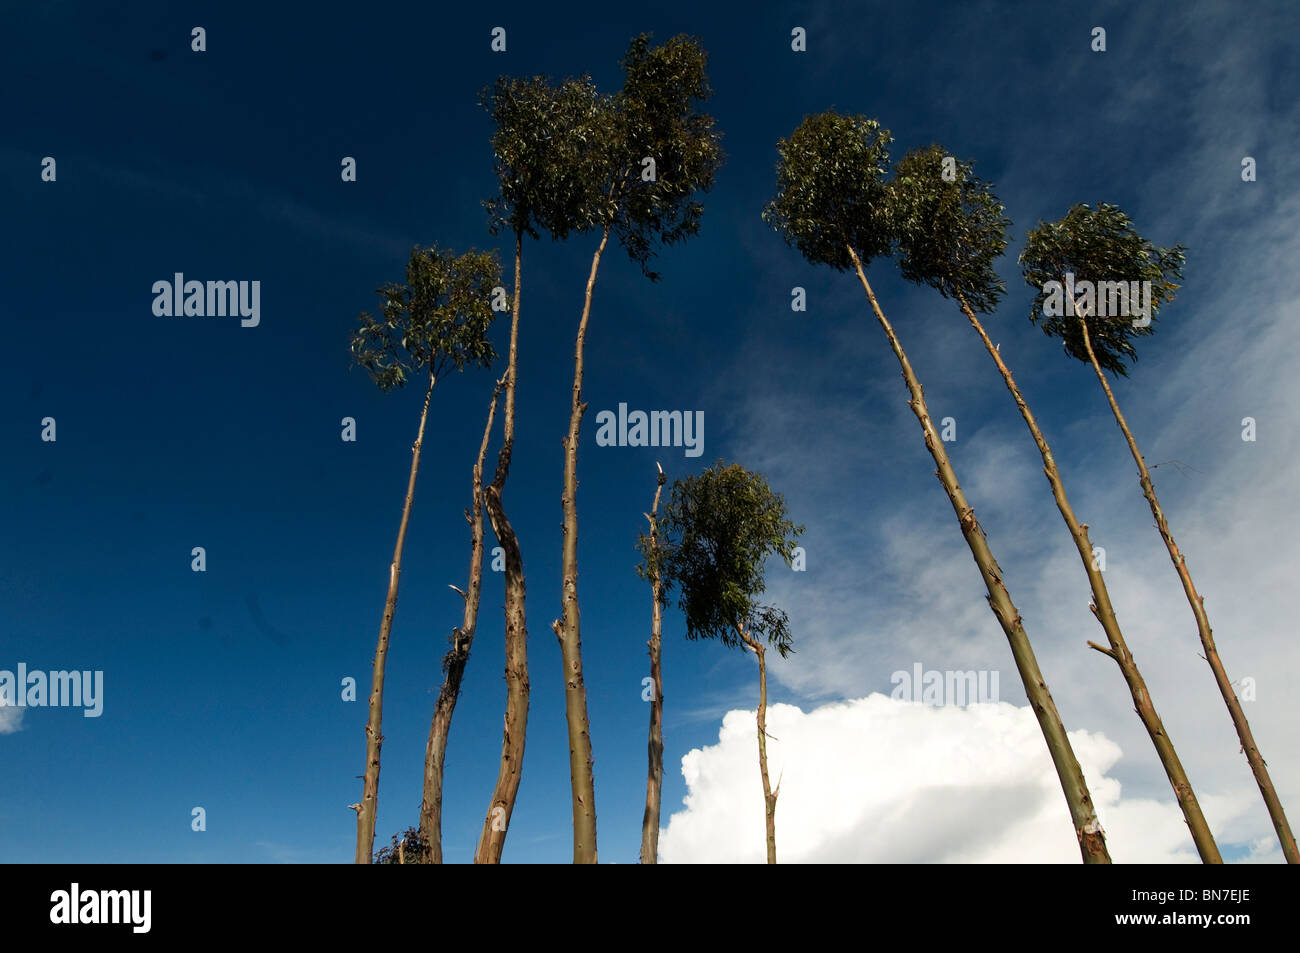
x,y
655,748
1103,610
769,795
369,805
453,663
1191,808
567,629
1087,828
495,825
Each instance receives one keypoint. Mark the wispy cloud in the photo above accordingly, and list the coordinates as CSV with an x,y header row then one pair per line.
x,y
890,580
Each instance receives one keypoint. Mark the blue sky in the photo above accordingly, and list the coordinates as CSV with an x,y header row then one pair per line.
x,y
222,689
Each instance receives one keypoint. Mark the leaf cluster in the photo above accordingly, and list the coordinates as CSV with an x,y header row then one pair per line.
x,y
1098,245
413,848
569,159
716,534
656,116
651,567
830,189
437,320
552,146
948,234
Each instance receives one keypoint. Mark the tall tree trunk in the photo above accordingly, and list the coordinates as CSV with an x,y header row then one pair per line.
x,y
453,663
1253,756
769,795
567,631
1101,608
1087,828
493,838
374,738
655,748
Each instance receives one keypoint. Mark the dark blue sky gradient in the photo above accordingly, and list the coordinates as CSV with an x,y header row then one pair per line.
x,y
222,688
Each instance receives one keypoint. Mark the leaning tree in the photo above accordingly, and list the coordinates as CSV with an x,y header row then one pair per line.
x,y
1100,247
716,534
950,228
832,204
436,322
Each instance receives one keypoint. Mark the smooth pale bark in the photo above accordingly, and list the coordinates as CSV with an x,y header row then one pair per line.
x,y
655,748
567,629
453,663
1253,756
493,837
369,805
1103,610
1087,828
769,795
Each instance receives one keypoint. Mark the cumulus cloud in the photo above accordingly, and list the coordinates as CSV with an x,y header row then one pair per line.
x,y
878,780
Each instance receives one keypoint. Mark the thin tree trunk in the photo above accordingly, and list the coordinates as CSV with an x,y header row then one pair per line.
x,y
769,796
1087,828
655,777
493,838
453,663
368,807
568,630
1207,636
1103,610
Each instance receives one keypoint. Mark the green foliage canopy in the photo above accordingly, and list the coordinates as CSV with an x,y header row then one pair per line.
x,y
716,533
655,116
552,147
1098,245
437,320
830,190
570,159
948,233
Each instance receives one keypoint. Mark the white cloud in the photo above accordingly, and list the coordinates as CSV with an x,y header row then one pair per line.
x,y
890,581
879,780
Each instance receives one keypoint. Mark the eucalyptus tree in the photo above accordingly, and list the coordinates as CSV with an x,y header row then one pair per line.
x,y
832,204
543,146
436,322
1092,251
651,570
718,530
950,228
649,151
453,663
